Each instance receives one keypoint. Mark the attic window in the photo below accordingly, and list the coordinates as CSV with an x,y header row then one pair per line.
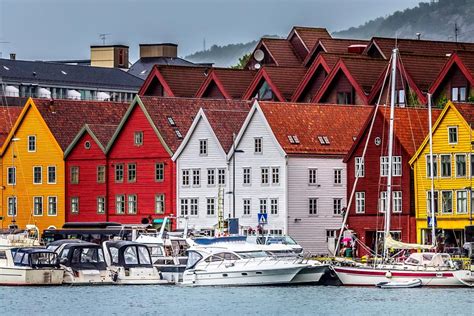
x,y
171,121
323,140
293,139
6,68
178,133
63,72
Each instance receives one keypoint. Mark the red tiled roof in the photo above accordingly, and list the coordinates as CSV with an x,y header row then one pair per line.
x,y
103,132
334,46
184,81
282,52
182,111
410,125
311,35
467,112
8,116
365,71
340,123
422,69
285,79
65,118
467,59
419,47
234,81
226,123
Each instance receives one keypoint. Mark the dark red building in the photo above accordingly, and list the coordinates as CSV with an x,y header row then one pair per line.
x,y
366,212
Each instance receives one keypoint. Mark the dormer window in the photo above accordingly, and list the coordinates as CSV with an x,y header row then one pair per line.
x,y
138,138
400,95
458,94
344,97
453,135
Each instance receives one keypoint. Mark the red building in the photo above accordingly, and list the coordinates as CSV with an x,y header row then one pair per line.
x,y
366,212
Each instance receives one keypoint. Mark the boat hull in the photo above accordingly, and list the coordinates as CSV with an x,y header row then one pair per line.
x,y
22,276
137,276
172,273
362,276
87,277
310,275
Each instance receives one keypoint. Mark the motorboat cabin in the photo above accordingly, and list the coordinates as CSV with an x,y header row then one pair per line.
x,y
29,266
130,263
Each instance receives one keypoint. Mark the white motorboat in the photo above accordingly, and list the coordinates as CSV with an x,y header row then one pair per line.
x,y
29,266
130,263
219,266
20,238
83,262
400,285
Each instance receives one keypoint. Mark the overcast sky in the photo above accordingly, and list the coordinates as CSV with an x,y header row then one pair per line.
x,y
64,29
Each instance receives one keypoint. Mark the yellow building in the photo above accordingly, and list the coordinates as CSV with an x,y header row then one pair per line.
x,y
32,173
453,170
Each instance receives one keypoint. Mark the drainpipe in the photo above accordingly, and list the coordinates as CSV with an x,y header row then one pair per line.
x,y
107,206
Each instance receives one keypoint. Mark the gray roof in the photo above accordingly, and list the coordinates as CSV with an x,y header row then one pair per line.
x,y
63,75
142,67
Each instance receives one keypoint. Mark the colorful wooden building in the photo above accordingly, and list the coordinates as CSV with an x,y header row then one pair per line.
x,y
453,171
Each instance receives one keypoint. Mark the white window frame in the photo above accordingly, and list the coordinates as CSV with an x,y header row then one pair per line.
x,y
34,142
313,206
359,164
196,177
382,201
265,176
203,148
138,138
185,177
360,202
457,202
55,203
120,201
35,213
184,207
258,145
211,177
337,206
384,166
312,176
99,198
159,170
428,202
194,207
397,203
428,166
275,175
160,199
135,171
274,206
76,200
442,200
449,135
132,204
41,175
99,172
397,166
456,165
221,176
9,211
8,176
263,206
247,176
337,177
55,174
246,207
441,165
210,206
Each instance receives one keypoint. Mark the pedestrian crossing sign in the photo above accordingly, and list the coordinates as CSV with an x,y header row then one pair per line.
x,y
262,218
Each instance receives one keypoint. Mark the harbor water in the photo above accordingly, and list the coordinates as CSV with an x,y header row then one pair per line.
x,y
177,300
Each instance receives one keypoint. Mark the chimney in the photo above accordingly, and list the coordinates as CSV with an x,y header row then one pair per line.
x,y
356,49
12,56
159,50
109,56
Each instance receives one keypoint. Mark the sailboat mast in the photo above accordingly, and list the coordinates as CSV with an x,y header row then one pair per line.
x,y
390,149
432,202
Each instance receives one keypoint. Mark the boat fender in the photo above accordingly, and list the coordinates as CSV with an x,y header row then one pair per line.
x,y
115,276
388,274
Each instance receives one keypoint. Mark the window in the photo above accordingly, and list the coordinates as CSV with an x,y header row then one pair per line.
x,y
52,206
247,204
384,166
453,135
203,147
31,143
446,201
120,204
400,97
160,204
132,204
246,175
264,175
460,165
138,138
344,98
428,202
263,205
100,174
100,205
274,206
276,175
185,177
461,202
359,167
159,171
458,94
397,201
184,207
12,206
132,172
11,178
221,176
331,234
337,206
75,205
51,174
337,176
211,206
37,175
428,166
196,177
38,206
313,206
360,202
211,177
258,145
383,202
194,206
312,176
445,165
119,172
397,166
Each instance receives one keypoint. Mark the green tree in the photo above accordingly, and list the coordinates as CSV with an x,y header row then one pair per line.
x,y
242,61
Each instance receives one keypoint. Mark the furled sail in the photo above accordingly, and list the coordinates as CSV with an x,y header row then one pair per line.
x,y
392,243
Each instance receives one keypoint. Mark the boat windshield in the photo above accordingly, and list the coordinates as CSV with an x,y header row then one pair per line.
x,y
43,259
193,259
253,254
285,240
222,256
282,253
88,258
156,251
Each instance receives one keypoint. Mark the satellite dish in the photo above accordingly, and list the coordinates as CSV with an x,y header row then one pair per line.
x,y
257,66
259,55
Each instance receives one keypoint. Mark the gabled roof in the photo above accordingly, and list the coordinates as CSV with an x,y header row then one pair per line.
x,y
361,72
142,67
309,35
8,117
464,61
324,60
100,133
65,75
464,110
282,80
177,81
338,123
410,127
417,47
232,83
333,46
281,51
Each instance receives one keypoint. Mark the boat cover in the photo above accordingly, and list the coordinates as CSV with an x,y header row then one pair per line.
x,y
392,243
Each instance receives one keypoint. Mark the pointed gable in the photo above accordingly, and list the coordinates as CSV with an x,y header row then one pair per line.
x,y
336,46
8,117
226,83
309,36
277,52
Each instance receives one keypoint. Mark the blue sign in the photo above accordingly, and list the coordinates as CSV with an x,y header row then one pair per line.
x,y
262,218
233,226
430,224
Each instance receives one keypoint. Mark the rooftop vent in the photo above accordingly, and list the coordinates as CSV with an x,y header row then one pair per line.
x,y
324,140
171,121
293,139
356,48
178,133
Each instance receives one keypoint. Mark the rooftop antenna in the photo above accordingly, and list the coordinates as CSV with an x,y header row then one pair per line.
x,y
456,31
103,37
418,35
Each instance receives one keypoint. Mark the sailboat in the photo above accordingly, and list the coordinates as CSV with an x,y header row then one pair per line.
x,y
430,268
